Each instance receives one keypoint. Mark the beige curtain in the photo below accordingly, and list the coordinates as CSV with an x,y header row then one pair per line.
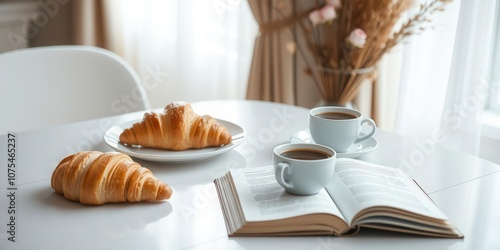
x,y
271,74
279,60
100,23
97,23
89,23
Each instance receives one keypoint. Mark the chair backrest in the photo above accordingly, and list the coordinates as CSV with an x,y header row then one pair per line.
x,y
46,86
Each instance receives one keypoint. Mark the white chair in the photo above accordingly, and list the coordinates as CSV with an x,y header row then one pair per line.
x,y
46,86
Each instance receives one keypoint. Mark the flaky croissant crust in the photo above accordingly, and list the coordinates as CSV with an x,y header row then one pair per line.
x,y
177,128
95,178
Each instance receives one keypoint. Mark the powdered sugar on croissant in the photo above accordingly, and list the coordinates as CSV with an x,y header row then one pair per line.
x,y
177,128
95,178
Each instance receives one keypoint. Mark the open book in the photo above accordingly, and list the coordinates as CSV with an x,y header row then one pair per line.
x,y
361,194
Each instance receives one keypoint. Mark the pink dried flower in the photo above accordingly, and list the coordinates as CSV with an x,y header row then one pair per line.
x,y
357,38
328,13
315,17
323,15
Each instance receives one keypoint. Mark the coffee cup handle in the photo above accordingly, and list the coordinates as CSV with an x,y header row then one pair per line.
x,y
367,120
279,173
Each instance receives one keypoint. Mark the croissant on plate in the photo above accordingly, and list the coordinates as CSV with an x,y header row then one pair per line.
x,y
95,178
177,128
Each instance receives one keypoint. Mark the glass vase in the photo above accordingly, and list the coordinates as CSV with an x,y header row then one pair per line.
x,y
338,87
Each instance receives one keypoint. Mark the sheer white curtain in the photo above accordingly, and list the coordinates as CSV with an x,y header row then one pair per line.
x,y
443,79
468,85
424,75
186,50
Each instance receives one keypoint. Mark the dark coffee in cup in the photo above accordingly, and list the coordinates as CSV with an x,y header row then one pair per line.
x,y
338,127
305,154
336,115
303,168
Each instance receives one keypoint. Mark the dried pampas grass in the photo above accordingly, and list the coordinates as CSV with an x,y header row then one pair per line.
x,y
338,67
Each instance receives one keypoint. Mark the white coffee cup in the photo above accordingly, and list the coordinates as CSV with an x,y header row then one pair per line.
x,y
303,168
338,127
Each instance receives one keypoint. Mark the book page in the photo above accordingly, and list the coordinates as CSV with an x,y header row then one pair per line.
x,y
262,198
358,185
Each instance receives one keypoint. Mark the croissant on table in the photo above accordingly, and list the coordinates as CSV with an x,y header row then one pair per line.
x,y
95,178
177,128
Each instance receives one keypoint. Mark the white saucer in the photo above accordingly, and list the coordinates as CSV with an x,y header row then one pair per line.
x,y
354,151
111,137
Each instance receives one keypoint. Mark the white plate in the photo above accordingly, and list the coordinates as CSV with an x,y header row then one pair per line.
x,y
111,137
354,151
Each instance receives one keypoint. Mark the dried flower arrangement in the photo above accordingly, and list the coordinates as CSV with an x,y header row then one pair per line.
x,y
346,38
